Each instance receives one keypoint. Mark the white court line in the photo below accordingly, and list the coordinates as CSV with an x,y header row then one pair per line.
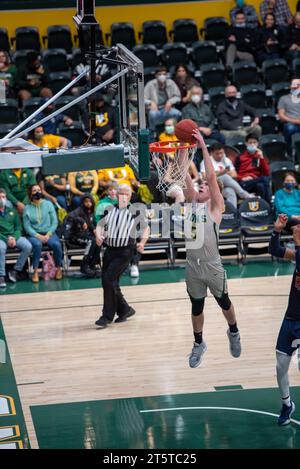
x,y
253,411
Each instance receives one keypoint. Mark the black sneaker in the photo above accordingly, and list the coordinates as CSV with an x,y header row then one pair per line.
x,y
102,322
125,316
2,282
13,275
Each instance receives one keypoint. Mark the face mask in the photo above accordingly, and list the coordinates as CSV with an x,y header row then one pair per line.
x,y
38,136
36,196
289,185
231,99
3,202
162,78
169,129
295,92
240,25
196,98
251,148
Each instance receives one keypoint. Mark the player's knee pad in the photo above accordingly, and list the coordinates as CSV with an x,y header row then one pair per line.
x,y
197,306
224,301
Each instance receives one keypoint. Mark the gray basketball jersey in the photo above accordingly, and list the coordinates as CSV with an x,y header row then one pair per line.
x,y
209,251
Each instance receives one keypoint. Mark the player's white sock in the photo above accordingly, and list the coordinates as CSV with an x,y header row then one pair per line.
x,y
286,401
282,368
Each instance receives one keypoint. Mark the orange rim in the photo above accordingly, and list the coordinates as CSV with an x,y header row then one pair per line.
x,y
162,147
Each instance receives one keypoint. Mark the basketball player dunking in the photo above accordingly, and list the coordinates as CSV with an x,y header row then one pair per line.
x,y
204,266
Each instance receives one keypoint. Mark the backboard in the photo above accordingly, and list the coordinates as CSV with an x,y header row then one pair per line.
x,y
132,119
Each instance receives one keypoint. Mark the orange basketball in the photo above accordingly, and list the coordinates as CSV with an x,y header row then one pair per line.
x,y
184,130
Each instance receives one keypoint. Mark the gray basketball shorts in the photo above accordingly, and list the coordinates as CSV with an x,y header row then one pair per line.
x,y
203,275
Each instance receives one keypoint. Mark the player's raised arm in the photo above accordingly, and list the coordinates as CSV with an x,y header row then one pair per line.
x,y
274,245
217,201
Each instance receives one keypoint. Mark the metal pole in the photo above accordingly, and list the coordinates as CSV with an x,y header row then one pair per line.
x,y
92,107
64,108
57,95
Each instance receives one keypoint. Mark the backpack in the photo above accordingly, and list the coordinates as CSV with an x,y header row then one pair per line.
x,y
49,269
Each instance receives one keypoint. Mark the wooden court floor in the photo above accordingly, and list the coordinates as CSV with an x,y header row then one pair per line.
x,y
60,357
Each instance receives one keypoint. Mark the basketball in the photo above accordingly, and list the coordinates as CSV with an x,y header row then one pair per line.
x,y
184,130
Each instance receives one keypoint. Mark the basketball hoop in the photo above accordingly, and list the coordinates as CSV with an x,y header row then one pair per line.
x,y
172,161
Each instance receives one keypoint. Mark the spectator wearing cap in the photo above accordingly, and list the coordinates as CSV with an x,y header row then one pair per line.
x,y
31,79
106,120
161,94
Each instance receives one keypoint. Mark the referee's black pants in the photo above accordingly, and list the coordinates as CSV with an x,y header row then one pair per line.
x,y
115,261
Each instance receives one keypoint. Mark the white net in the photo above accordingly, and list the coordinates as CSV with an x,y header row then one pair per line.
x,y
172,161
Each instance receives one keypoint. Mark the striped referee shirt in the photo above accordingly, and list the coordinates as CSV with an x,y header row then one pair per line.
x,y
123,226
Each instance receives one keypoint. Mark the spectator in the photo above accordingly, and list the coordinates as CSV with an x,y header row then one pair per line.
x,y
269,41
53,188
106,120
11,237
80,229
226,173
241,41
280,9
161,94
31,79
293,38
199,112
289,111
230,114
42,140
51,126
287,199
253,171
7,74
40,224
102,73
169,134
122,175
16,183
249,12
82,183
184,81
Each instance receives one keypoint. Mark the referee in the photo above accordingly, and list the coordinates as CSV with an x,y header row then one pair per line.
x,y
118,229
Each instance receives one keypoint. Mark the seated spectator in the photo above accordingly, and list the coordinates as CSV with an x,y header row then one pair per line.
x,y
241,41
106,120
230,114
200,112
169,133
7,74
249,12
293,38
280,9
253,171
42,140
79,230
227,174
54,188
31,79
122,175
110,198
184,81
289,111
11,237
51,126
161,94
287,200
40,224
16,183
269,40
82,183
102,73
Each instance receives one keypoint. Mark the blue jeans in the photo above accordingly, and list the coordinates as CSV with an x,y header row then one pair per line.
x,y
260,185
24,246
289,130
53,243
160,116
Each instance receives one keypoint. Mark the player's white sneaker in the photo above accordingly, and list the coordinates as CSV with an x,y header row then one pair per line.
x,y
197,353
134,271
234,343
